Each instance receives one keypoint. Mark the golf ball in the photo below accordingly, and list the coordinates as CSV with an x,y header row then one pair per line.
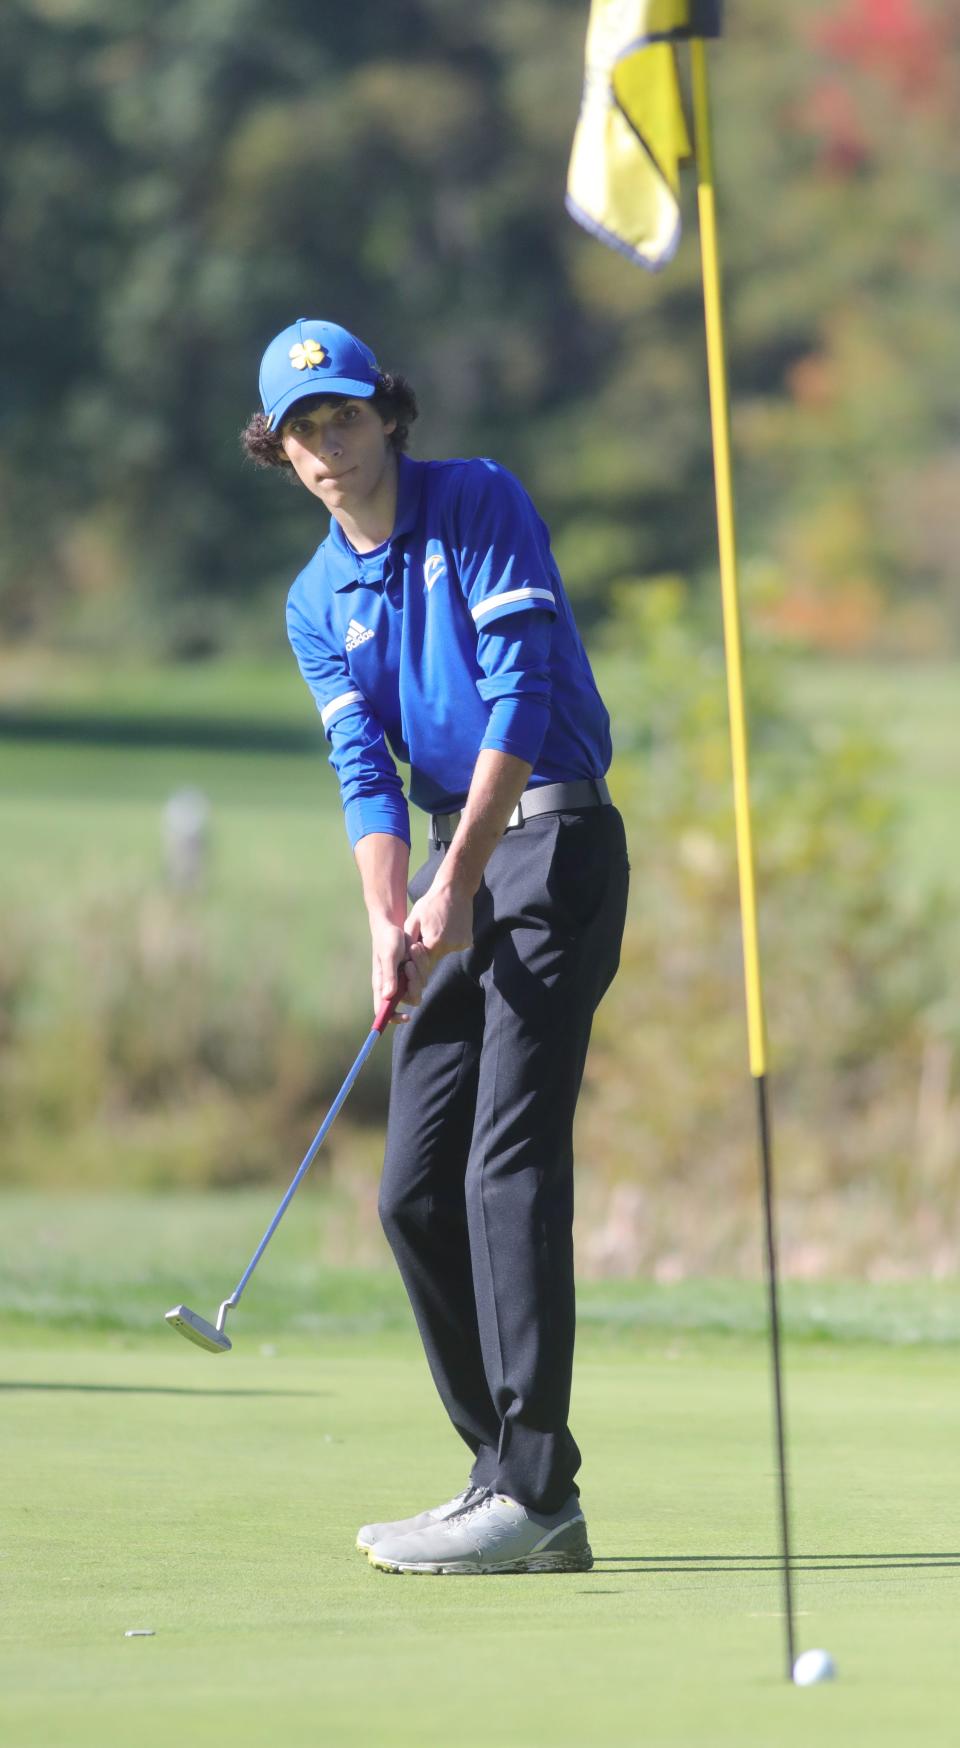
x,y
813,1666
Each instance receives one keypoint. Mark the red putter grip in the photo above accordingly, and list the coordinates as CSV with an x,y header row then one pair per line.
x,y
385,1013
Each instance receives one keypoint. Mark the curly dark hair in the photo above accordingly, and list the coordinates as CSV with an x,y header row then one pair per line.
x,y
393,398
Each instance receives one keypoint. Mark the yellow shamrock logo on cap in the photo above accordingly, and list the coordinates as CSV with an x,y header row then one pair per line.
x,y
307,354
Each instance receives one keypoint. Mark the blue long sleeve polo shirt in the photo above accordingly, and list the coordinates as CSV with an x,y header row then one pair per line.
x,y
453,636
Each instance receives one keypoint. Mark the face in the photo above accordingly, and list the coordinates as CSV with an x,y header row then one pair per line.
x,y
340,452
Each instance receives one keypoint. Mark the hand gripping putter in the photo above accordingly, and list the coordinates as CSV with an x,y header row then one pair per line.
x,y
213,1336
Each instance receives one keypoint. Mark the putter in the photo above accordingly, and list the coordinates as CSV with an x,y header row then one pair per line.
x,y
213,1336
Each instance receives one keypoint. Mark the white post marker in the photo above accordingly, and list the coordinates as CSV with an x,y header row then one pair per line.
x,y
186,838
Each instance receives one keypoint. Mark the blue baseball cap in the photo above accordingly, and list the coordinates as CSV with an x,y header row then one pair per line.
x,y
314,358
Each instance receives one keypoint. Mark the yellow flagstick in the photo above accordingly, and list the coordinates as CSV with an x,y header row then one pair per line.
x,y
720,421
756,1029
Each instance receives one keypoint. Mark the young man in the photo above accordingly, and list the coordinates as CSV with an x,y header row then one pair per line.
x,y
432,620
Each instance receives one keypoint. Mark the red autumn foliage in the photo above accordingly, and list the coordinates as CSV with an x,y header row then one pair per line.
x,y
830,114
901,41
904,44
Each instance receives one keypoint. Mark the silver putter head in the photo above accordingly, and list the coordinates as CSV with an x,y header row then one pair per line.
x,y
198,1329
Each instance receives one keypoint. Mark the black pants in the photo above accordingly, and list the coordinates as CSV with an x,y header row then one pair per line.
x,y
477,1191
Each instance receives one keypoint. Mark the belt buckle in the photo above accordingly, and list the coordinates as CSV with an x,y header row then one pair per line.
x,y
449,826
516,817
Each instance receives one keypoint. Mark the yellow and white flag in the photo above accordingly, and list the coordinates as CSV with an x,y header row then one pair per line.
x,y
624,180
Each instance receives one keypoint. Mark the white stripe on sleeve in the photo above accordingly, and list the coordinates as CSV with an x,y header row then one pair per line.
x,y
335,705
508,596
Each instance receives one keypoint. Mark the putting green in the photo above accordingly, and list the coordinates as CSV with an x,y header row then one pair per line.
x,y
215,1500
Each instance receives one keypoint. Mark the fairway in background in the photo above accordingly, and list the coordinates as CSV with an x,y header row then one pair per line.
x,y
159,1039
111,1265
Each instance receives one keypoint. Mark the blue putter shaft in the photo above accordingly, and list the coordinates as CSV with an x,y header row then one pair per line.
x,y
213,1337
375,1031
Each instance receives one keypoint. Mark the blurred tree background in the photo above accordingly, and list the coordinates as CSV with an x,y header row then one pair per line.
x,y
178,183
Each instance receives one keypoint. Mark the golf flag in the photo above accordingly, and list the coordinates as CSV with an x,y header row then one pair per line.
x,y
631,137
623,186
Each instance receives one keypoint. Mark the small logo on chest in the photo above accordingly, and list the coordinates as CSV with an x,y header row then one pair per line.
x,y
357,634
433,569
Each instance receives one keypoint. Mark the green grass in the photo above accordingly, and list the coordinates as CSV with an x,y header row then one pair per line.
x,y
34,681
110,1264
278,835
215,1500
85,825
279,847
80,820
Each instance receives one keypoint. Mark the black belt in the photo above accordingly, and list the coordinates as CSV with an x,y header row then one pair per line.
x,y
545,798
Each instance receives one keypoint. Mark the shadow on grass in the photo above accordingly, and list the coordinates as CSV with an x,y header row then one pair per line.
x,y
704,1564
153,1390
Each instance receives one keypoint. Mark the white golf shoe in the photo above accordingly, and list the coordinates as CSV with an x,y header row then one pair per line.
x,y
374,1532
491,1534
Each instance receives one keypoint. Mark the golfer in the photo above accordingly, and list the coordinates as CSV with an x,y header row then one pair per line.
x,y
431,625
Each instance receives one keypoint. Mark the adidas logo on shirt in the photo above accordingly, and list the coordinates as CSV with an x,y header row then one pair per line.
x,y
356,634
